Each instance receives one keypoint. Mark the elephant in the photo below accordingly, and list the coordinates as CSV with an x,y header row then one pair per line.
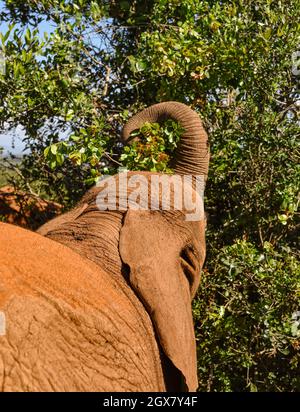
x,y
120,279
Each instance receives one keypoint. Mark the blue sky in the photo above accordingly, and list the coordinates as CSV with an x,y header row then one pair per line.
x,y
7,139
12,141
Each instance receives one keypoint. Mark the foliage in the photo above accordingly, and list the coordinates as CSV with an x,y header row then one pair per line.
x,y
73,88
8,171
152,148
247,320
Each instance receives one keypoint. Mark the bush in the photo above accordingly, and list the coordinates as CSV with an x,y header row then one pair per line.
x,y
247,320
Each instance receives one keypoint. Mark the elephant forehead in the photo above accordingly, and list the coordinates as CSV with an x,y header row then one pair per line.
x,y
146,191
187,231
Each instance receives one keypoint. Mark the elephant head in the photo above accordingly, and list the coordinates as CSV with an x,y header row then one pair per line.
x,y
157,253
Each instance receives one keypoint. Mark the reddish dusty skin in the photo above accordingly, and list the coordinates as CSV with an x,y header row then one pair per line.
x,y
69,325
25,210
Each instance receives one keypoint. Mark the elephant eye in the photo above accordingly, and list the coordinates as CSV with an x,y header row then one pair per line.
x,y
189,264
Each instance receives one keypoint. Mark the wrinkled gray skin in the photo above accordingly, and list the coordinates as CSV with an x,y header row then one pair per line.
x,y
156,254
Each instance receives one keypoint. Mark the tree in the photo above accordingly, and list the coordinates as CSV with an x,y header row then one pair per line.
x,y
232,62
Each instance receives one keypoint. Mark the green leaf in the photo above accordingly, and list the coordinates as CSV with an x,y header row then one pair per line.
x,y
46,151
53,149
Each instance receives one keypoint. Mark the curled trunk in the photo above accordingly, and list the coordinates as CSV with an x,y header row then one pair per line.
x,y
192,154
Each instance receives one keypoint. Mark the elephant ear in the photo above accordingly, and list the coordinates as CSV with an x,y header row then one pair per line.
x,y
147,246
